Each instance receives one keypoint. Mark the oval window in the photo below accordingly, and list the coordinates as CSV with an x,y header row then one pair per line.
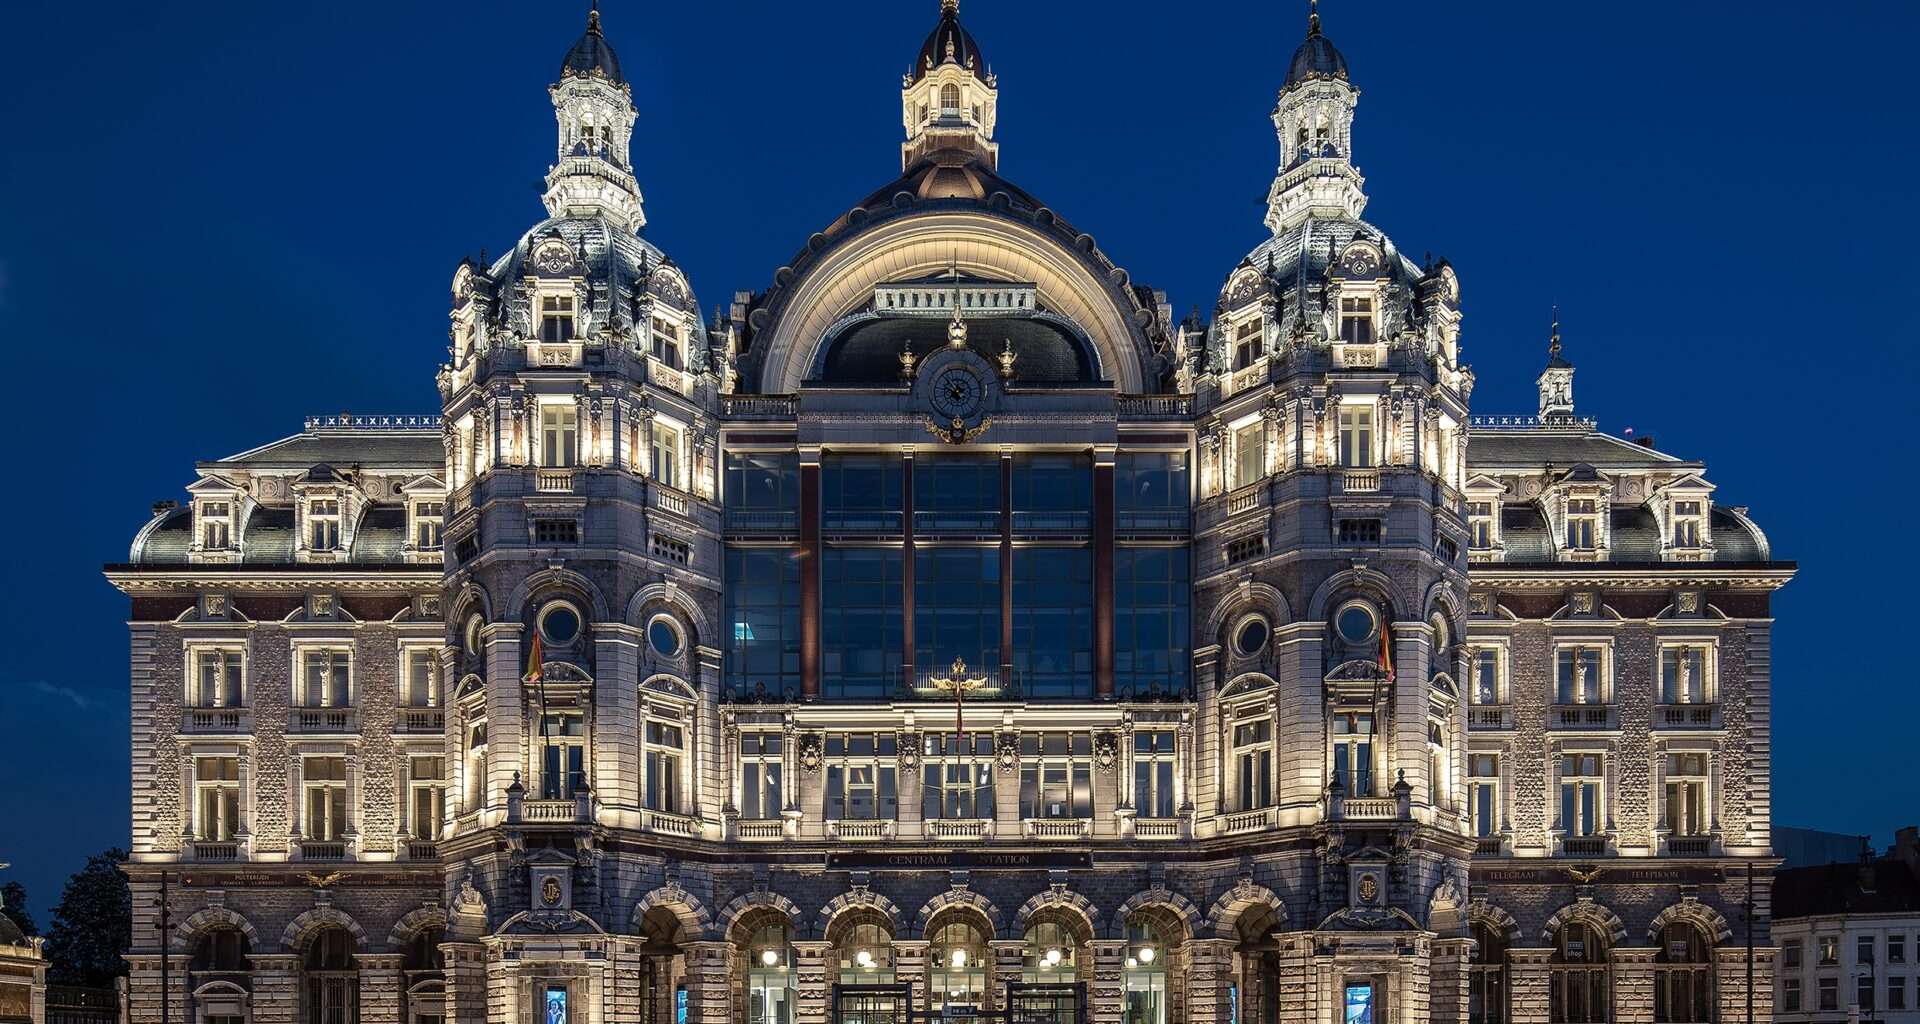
x,y
664,638
1355,624
1253,636
560,624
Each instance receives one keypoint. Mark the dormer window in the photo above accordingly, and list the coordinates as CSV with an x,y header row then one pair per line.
x,y
666,343
1247,343
1687,523
1583,524
323,524
1356,320
1480,525
556,318
216,525
428,519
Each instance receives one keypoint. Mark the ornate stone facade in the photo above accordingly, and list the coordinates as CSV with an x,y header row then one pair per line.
x,y
946,626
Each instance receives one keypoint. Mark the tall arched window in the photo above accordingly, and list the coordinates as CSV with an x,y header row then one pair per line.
x,y
1052,953
862,949
770,981
1487,983
330,983
218,976
1580,986
1144,972
425,971
956,963
950,100
1683,976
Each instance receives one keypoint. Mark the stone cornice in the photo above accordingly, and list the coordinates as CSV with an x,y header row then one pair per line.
x,y
141,579
1633,576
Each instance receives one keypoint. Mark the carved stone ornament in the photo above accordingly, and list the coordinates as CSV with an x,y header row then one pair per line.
x,y
1582,602
1106,752
469,898
907,751
1480,602
1446,896
810,753
1008,757
1687,602
553,258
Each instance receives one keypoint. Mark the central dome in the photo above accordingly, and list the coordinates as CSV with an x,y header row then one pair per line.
x,y
1317,57
950,43
592,54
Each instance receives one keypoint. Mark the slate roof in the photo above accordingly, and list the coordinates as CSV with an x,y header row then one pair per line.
x,y
1635,536
950,42
1838,889
420,448
1490,450
1317,58
593,54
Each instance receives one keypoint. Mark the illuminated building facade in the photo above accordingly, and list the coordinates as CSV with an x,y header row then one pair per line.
x,y
946,626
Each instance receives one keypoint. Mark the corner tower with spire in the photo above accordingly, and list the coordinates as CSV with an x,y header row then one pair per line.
x,y
592,173
949,100
1314,119
1556,381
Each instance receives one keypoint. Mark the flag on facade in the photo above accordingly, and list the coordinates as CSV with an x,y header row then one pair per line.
x,y
1386,652
534,658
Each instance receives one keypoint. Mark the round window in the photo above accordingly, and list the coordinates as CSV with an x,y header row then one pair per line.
x,y
664,638
1355,623
1252,637
560,624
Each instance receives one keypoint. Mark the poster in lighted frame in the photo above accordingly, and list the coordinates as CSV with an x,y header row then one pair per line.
x,y
1359,1004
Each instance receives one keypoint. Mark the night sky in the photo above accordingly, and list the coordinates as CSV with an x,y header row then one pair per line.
x,y
221,217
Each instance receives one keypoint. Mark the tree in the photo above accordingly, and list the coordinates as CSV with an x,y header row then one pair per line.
x,y
92,925
13,903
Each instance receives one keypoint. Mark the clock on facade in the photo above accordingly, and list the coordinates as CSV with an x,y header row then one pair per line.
x,y
956,394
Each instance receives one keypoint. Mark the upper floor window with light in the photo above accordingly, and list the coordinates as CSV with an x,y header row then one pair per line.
x,y
325,679
1480,525
1253,764
556,318
323,524
1583,524
1356,436
218,679
1056,775
1581,786
666,454
1353,752
761,761
1489,684
950,100
1581,675
1249,453
862,777
1684,670
216,786
559,435
666,342
1247,343
429,518
1356,320
422,684
1483,794
216,525
1687,523
1154,767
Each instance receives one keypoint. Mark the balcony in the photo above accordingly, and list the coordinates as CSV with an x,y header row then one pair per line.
x,y
554,481
1077,828
420,720
1153,407
1360,481
1156,828
207,852
1581,716
216,721
1370,808
1583,846
422,849
323,850
860,831
1247,821
1489,718
959,829
759,407
763,522
1687,716
550,811
1488,846
323,721
762,831
1689,846
1246,499
671,823
875,522
668,500
1051,522
1157,521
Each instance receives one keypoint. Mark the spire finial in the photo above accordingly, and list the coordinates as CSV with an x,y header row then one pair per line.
x,y
950,7
593,17
1313,17
1553,346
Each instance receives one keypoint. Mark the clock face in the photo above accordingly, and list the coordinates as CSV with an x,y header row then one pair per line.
x,y
956,394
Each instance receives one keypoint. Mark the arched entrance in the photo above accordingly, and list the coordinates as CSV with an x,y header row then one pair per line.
x,y
862,972
1683,976
663,968
764,939
959,961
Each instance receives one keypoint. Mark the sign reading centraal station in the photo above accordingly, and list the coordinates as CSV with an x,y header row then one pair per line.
x,y
937,860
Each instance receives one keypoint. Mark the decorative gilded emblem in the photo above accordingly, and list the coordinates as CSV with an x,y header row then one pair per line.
x,y
550,891
1369,888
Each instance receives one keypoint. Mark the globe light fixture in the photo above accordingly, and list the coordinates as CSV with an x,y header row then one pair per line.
x,y
1053,957
863,958
1146,954
959,958
769,957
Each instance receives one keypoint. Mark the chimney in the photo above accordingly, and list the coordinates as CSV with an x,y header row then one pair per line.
x,y
1645,441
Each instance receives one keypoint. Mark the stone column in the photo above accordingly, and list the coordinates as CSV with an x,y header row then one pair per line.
x,y
382,988
1633,985
1528,981
709,982
1296,980
466,982
910,966
1007,963
1105,1001
276,988
1730,982
1447,982
1209,975
813,969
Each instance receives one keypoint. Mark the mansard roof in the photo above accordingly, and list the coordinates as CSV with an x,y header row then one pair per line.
x,y
1562,447
336,446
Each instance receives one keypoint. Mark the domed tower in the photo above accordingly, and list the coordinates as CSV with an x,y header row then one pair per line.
x,y
949,101
1333,428
581,554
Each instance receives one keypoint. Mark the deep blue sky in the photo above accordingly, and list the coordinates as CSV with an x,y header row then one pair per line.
x,y
220,217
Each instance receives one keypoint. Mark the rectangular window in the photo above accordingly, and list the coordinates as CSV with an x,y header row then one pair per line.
x,y
1056,775
1480,525
326,679
666,455
1790,955
1152,591
559,435
762,598
862,622
1359,531
1356,436
556,318
863,493
1863,950
563,756
1829,950
216,525
324,780
422,687
666,342
762,482
1896,949
956,611
1051,491
216,785
1488,686
1483,793
1583,524
956,780
429,517
862,777
1581,785
1241,549
1687,518
1829,994
1249,342
1580,671
556,531
1790,995
665,746
1356,320
956,494
1683,674
218,680
761,761
1253,764
1154,764
1863,987
1249,453
1353,752
1151,490
1053,622
1896,993
323,524
427,789
1687,794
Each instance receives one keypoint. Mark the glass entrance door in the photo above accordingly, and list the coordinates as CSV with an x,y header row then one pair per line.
x,y
1046,1004
872,1004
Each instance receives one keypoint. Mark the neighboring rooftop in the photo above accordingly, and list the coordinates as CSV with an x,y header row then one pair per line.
x,y
1868,885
